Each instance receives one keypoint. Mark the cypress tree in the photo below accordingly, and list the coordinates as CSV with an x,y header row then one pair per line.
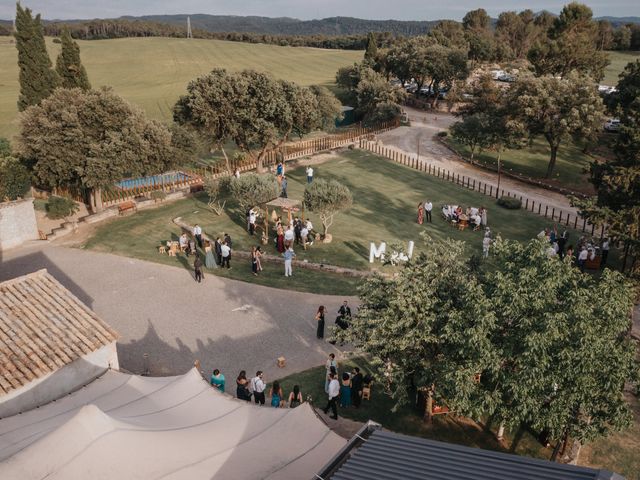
x,y
70,69
37,78
372,48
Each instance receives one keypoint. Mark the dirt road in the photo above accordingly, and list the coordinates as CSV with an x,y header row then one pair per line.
x,y
420,138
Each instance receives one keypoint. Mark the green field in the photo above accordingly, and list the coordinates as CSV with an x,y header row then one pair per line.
x,y
619,60
385,199
153,72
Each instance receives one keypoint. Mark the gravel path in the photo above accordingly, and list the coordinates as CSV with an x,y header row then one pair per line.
x,y
162,311
423,129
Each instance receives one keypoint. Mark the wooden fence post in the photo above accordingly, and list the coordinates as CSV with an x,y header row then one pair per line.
x,y
546,210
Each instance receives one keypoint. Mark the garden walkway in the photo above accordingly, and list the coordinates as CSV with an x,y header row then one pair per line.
x,y
423,130
162,311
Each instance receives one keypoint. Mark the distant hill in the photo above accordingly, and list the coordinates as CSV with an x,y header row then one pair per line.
x,y
617,21
292,26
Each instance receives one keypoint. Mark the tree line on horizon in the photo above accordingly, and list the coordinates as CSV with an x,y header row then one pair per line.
x,y
510,31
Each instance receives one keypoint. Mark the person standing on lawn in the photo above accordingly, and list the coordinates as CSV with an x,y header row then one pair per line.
x,y
309,174
420,214
333,393
226,255
288,255
320,322
428,206
283,184
356,387
218,247
605,252
197,232
197,267
254,261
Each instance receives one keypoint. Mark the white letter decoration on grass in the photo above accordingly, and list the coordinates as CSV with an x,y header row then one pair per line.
x,y
396,257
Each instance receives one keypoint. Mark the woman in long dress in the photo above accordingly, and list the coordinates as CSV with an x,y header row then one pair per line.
x,y
280,239
210,258
345,390
254,261
420,213
320,320
258,261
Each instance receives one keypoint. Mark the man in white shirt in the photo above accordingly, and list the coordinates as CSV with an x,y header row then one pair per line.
x,y
197,232
428,206
226,255
288,237
252,221
486,243
334,391
605,252
304,233
582,258
309,174
258,387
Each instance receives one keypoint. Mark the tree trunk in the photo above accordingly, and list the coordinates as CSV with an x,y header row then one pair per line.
x,y
226,160
500,435
97,193
552,161
499,176
428,417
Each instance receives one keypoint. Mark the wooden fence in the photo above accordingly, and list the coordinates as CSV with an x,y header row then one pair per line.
x,y
289,151
555,214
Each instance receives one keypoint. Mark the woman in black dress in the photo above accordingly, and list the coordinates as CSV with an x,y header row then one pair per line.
x,y
320,320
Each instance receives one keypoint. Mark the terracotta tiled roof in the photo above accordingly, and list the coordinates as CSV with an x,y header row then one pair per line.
x,y
43,327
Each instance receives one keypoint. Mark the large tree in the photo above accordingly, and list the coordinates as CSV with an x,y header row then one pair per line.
x,y
617,181
377,100
68,65
372,49
562,337
428,327
572,44
254,110
557,109
37,78
529,340
91,139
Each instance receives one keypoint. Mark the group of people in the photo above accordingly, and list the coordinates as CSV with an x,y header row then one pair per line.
x,y
342,320
255,388
297,231
587,249
346,388
456,214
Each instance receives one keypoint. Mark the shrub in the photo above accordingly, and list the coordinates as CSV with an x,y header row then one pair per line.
x,y
14,179
158,195
442,134
326,198
510,203
60,207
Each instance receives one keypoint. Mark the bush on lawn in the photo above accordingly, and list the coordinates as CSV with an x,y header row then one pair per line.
x,y
158,195
510,203
60,207
442,134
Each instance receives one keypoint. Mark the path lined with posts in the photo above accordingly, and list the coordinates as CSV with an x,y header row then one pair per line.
x,y
436,159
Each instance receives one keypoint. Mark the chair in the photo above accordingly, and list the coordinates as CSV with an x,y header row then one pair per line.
x,y
281,362
366,391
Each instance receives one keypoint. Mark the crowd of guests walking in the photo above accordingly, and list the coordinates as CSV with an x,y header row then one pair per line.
x,y
587,250
344,389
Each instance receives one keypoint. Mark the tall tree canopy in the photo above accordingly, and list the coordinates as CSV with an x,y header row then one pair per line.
x,y
68,65
530,340
371,52
617,181
557,108
91,139
37,78
252,109
571,45
327,198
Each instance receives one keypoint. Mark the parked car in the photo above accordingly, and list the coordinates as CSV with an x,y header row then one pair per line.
x,y
606,89
612,125
496,74
507,78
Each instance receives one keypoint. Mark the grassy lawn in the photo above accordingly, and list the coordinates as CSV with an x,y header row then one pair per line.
x,y
385,199
619,60
153,72
407,420
570,170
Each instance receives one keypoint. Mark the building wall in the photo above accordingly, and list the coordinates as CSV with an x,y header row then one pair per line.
x,y
59,383
17,223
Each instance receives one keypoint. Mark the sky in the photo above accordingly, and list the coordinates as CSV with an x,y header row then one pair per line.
x,y
304,9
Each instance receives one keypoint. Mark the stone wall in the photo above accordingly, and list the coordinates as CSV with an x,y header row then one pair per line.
x,y
17,223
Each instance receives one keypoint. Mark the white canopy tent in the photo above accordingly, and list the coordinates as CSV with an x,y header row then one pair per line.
x,y
124,426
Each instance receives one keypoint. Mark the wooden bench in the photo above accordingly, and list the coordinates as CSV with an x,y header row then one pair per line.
x,y
126,206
